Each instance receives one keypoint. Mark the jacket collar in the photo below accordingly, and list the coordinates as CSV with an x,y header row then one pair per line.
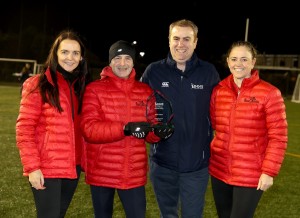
x,y
189,64
107,72
247,82
49,77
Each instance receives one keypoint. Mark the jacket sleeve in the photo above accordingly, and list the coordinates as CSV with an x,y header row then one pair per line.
x,y
212,108
93,125
26,124
152,138
277,133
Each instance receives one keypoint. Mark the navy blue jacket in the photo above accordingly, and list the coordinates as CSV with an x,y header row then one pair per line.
x,y
189,92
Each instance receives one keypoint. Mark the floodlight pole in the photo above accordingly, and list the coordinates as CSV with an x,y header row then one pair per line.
x,y
247,27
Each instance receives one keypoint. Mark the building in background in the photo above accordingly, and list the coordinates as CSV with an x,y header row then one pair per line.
x,y
279,69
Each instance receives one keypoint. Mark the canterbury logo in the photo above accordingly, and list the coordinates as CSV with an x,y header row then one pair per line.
x,y
165,84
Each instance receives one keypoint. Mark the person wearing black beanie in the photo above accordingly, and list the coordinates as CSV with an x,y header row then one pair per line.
x,y
116,128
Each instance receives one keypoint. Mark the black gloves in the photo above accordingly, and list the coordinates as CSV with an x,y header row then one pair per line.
x,y
141,129
137,129
163,131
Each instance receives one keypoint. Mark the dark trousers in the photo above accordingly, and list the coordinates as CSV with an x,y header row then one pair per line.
x,y
133,201
172,187
234,201
54,201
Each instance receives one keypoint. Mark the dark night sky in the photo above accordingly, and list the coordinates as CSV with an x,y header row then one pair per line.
x,y
273,29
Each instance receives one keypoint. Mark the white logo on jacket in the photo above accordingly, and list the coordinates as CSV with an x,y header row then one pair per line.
x,y
165,84
196,86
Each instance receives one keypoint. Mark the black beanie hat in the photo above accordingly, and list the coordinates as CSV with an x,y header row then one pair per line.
x,y
121,47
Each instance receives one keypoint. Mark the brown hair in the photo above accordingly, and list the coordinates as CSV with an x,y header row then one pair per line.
x,y
184,23
50,93
246,44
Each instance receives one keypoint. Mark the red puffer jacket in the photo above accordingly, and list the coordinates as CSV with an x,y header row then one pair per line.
x,y
113,159
45,137
250,131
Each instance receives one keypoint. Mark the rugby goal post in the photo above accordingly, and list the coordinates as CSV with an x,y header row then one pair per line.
x,y
296,93
35,65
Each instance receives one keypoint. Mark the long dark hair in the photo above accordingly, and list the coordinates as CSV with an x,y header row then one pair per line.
x,y
50,93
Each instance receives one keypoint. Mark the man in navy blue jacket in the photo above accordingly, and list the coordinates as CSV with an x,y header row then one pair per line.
x,y
179,164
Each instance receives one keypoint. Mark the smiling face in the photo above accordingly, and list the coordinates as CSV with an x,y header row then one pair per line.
x,y
240,62
182,43
69,54
122,65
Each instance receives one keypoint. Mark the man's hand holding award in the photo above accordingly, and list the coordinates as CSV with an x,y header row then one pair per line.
x,y
159,115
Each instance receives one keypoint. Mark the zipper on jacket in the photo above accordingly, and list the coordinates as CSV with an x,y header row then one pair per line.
x,y
72,103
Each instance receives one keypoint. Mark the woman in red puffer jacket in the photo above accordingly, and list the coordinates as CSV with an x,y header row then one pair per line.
x,y
249,119
47,130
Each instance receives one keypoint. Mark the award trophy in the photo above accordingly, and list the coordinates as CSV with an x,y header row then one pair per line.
x,y
159,111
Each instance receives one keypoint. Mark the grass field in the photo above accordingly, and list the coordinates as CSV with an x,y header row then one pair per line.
x,y
16,200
